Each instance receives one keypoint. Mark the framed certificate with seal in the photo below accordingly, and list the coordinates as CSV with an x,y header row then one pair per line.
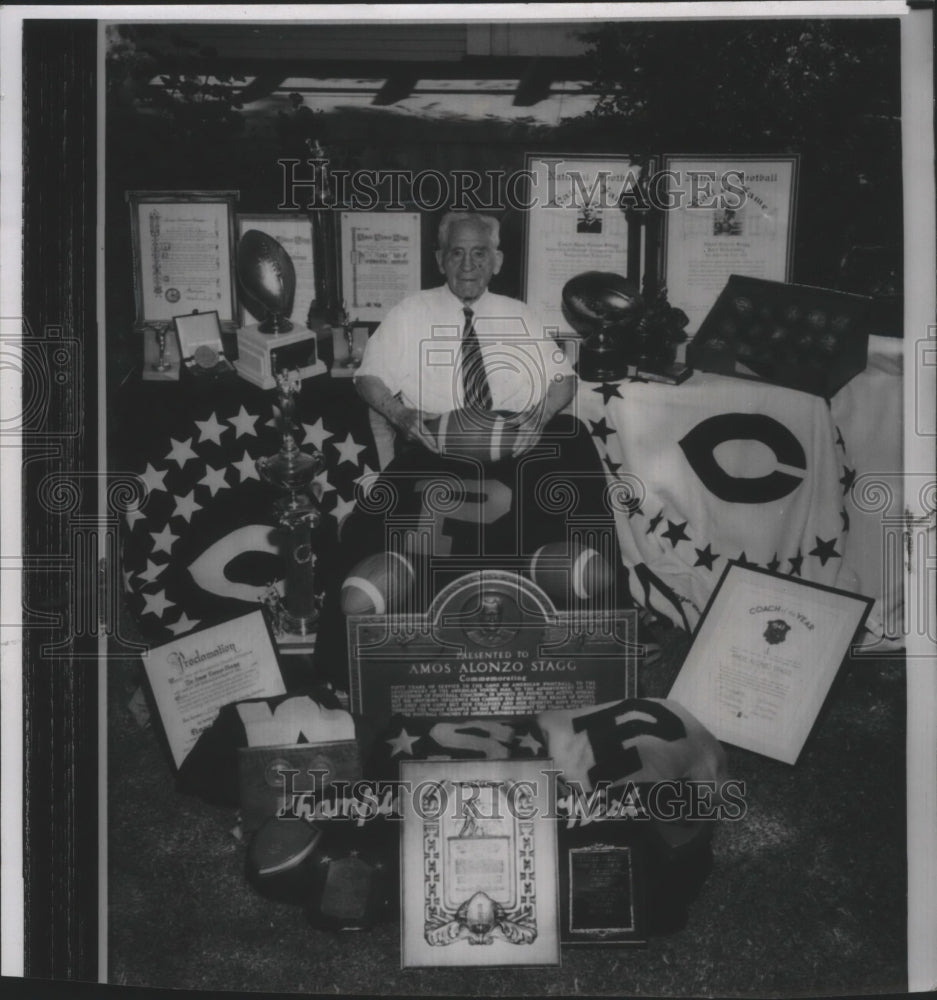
x,y
183,254
478,863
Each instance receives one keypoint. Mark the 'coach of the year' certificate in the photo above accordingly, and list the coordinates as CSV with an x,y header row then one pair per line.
x,y
764,657
194,677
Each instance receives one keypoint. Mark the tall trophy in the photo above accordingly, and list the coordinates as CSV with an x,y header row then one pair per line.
x,y
296,614
267,280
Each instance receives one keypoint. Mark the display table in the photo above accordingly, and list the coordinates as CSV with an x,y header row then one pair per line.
x,y
720,469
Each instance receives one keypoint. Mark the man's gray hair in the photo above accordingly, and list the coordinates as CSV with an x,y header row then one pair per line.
x,y
486,222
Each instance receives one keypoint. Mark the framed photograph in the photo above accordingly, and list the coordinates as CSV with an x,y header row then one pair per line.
x,y
380,260
575,223
183,254
294,234
764,656
478,864
724,215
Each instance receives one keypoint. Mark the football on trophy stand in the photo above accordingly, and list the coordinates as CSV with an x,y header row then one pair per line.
x,y
267,280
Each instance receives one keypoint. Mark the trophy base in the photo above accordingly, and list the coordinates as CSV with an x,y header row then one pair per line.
x,y
262,355
596,366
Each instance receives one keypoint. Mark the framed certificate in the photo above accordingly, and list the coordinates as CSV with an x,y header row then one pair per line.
x,y
764,656
724,215
193,677
574,222
381,261
478,864
183,254
294,234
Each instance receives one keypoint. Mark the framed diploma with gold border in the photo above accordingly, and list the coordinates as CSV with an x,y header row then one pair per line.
x,y
764,656
183,254
478,864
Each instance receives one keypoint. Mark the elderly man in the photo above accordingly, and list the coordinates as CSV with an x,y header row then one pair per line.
x,y
460,345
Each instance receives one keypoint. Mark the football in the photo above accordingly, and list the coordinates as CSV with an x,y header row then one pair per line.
x,y
571,574
281,859
378,584
478,434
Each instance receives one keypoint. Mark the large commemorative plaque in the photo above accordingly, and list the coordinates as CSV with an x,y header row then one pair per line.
x,y
491,644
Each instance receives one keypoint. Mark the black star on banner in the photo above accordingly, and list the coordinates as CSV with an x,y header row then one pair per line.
x,y
774,565
608,390
601,430
825,551
637,378
655,521
633,507
845,516
675,533
743,560
612,467
796,564
706,557
847,479
839,439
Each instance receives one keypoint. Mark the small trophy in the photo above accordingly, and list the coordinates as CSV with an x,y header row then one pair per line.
x,y
348,329
296,614
161,364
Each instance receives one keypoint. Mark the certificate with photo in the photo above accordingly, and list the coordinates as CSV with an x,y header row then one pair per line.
x,y
764,657
194,677
478,864
725,215
575,222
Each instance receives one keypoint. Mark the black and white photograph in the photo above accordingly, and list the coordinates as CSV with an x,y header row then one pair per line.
x,y
469,498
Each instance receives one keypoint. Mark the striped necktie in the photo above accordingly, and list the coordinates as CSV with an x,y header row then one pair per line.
x,y
474,379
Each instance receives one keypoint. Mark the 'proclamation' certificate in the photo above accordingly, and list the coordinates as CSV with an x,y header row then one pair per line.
x,y
764,658
380,261
194,677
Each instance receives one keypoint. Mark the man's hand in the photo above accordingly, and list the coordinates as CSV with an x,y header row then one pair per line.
x,y
411,424
529,425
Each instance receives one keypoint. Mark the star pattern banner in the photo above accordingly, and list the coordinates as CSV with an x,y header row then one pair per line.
x,y
203,546
716,470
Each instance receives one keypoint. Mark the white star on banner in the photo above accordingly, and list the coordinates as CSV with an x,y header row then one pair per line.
x,y
402,743
529,741
247,468
342,509
210,430
349,450
162,540
183,625
133,515
156,604
322,481
243,423
153,479
214,479
186,506
366,480
152,570
316,434
181,452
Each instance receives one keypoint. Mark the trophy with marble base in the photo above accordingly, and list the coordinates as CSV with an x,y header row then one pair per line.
x,y
294,615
